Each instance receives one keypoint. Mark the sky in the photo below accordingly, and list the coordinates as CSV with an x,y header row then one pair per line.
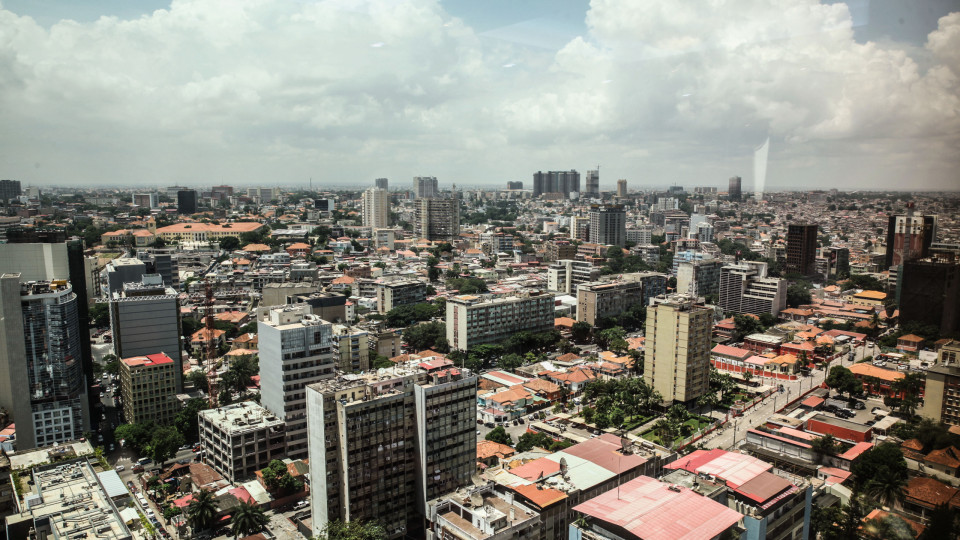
x,y
863,94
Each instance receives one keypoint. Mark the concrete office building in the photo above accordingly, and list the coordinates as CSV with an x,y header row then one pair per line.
x,y
580,228
437,219
425,187
241,439
640,236
145,319
558,250
561,182
384,238
296,349
148,385
699,278
326,305
351,348
677,360
742,290
67,500
124,270
611,298
564,275
497,242
608,225
909,237
163,262
146,200
186,201
941,395
480,513
398,293
42,383
376,208
734,192
514,185
9,190
592,188
621,188
703,232
476,320
802,248
383,444
263,195
838,261
381,183
929,293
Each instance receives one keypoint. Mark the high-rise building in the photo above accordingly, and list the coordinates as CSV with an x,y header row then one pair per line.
x,y
241,439
146,200
941,394
677,360
621,188
381,183
163,262
145,320
734,190
563,182
601,299
565,274
703,232
186,201
699,278
802,248
296,349
608,225
593,184
909,237
402,292
9,190
929,293
124,270
351,348
838,261
743,289
474,320
376,208
515,185
437,219
148,385
383,444
425,187
42,384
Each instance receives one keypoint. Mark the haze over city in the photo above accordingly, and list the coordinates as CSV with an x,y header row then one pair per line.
x,y
856,95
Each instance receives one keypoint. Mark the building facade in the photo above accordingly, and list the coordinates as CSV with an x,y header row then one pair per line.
x,y
400,293
376,208
621,188
475,320
425,187
802,248
941,395
562,182
42,383
296,350
437,219
381,183
564,275
734,192
592,188
677,360
742,290
929,292
148,385
699,278
186,201
383,444
240,439
608,225
909,237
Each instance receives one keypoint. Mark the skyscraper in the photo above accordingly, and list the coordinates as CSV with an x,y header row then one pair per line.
x,y
677,360
608,225
425,186
9,189
802,248
593,184
734,190
562,182
42,383
929,293
296,350
186,201
437,219
382,444
909,237
381,183
376,208
515,185
145,320
744,289
621,188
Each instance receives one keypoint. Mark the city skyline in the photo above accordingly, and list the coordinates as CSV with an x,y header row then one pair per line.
x,y
850,96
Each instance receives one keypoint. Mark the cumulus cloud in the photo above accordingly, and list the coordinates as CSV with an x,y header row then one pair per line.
x,y
347,90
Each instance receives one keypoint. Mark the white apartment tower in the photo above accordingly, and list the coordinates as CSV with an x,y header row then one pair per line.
x,y
376,208
743,289
296,349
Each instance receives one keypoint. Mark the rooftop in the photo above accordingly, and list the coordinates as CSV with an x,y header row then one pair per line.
x,y
241,417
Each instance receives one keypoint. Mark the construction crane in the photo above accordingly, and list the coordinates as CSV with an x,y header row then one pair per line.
x,y
211,356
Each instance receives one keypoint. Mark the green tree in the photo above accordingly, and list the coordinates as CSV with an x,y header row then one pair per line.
x,y
136,436
499,435
164,443
197,378
429,335
277,479
111,365
248,519
883,459
798,295
229,243
187,419
887,488
353,530
824,446
580,331
744,325
202,510
944,523
100,314
509,362
242,370
605,337
843,380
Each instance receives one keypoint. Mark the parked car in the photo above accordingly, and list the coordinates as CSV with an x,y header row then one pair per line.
x,y
119,468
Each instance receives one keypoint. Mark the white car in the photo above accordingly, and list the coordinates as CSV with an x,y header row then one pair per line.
x,y
119,468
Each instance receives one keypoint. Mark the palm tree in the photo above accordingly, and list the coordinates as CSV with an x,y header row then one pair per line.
x,y
886,488
202,510
248,519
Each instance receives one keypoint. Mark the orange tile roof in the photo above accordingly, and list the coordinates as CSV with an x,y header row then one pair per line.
x,y
510,395
565,322
910,337
542,497
873,295
865,369
256,247
488,449
541,385
298,245
948,457
930,493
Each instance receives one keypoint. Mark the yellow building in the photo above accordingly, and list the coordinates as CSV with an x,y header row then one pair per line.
x,y
206,232
941,399
677,360
148,387
867,298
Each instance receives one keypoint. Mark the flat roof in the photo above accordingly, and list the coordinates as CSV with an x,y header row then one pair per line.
x,y
736,469
157,359
653,510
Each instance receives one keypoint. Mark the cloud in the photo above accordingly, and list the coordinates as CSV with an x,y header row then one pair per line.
x,y
256,90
